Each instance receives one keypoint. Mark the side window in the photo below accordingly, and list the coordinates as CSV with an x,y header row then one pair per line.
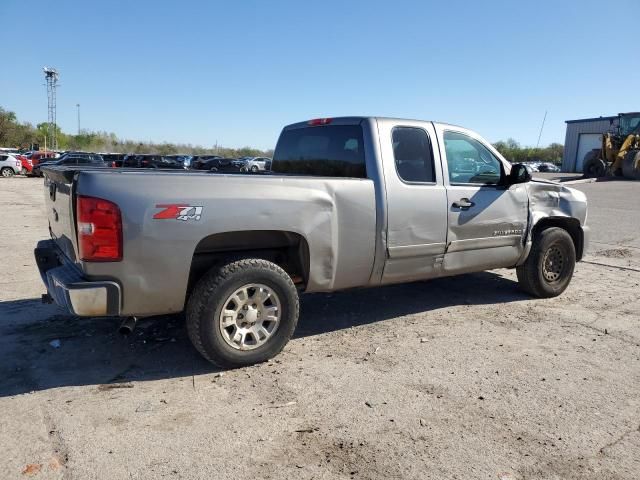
x,y
3,158
469,161
413,155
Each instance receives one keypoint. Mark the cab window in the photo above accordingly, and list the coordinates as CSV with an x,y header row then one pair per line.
x,y
469,161
329,151
412,155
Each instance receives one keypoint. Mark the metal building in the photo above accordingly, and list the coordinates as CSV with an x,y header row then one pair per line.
x,y
582,136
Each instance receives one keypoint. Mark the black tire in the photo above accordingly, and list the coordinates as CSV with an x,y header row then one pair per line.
x,y
7,172
209,297
631,165
594,166
539,275
254,169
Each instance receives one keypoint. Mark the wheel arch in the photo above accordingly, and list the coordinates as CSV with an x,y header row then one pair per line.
x,y
289,250
570,224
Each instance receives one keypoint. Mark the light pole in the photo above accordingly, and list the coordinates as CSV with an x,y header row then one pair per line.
x,y
78,107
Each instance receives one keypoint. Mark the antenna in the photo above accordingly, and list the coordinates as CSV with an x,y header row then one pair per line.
x,y
541,127
51,76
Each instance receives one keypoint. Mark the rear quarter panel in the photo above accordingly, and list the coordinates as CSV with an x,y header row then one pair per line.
x,y
337,217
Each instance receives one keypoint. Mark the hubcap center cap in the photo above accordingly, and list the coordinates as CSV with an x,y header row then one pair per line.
x,y
250,315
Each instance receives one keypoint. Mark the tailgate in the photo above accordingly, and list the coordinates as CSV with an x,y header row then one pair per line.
x,y
60,206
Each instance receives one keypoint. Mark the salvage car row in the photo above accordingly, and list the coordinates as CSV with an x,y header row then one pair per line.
x,y
30,163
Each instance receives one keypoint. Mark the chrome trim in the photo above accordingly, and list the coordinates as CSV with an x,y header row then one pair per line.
x,y
485,242
406,251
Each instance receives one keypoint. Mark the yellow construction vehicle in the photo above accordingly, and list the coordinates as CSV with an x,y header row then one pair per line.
x,y
620,151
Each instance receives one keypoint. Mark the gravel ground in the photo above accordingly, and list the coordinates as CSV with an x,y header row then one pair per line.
x,y
462,377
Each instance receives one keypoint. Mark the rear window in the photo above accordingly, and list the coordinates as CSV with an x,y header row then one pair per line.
x,y
327,151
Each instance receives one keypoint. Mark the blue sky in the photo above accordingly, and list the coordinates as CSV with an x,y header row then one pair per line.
x,y
236,71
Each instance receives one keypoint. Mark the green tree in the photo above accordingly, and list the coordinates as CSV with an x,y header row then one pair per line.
x,y
15,134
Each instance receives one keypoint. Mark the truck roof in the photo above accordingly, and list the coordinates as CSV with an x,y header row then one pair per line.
x,y
354,120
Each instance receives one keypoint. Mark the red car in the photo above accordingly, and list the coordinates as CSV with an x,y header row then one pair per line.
x,y
32,159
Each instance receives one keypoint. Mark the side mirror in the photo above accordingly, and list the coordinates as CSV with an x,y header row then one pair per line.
x,y
519,174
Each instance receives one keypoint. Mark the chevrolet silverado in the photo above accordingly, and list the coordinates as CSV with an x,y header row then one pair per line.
x,y
350,202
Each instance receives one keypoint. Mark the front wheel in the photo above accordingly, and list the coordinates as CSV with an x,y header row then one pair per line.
x,y
7,172
242,313
548,269
254,169
594,167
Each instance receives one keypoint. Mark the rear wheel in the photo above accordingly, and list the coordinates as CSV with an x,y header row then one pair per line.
x,y
593,165
242,313
7,172
631,165
254,169
549,267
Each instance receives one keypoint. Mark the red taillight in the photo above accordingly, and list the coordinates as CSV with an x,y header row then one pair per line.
x,y
319,121
99,230
113,164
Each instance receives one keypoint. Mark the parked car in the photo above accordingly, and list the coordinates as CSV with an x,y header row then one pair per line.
x,y
352,202
114,160
222,165
258,164
548,167
152,161
32,159
9,151
72,159
198,160
10,165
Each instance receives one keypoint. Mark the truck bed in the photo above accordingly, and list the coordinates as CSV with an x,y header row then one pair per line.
x,y
336,217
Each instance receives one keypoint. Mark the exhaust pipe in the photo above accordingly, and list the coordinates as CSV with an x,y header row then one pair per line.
x,y
127,326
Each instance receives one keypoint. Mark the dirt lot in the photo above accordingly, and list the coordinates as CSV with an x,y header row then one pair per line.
x,y
462,378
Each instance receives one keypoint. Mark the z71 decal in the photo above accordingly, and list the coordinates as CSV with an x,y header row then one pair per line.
x,y
178,211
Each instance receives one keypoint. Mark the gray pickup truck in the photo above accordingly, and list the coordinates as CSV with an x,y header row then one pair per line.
x,y
350,202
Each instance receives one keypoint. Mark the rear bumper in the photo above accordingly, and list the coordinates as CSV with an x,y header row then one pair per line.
x,y
69,289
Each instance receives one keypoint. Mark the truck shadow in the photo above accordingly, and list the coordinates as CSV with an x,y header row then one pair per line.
x,y
41,347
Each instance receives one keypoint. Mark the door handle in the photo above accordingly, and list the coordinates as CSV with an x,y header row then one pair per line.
x,y
463,204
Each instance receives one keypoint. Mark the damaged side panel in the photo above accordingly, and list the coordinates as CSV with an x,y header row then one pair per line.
x,y
551,200
336,217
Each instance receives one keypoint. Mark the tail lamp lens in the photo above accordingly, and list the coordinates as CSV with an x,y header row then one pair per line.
x,y
319,121
99,230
